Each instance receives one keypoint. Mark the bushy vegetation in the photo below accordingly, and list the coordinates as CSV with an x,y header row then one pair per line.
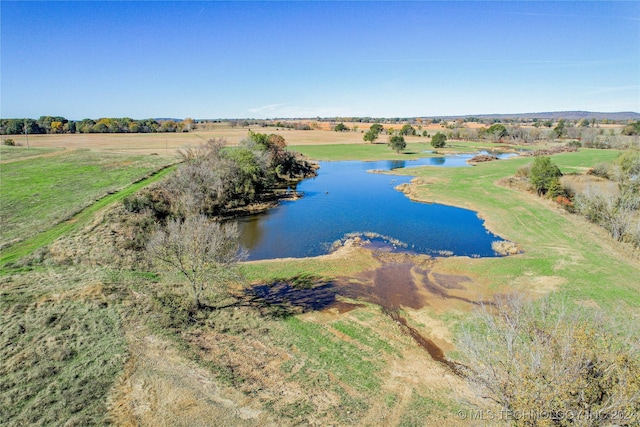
x,y
544,175
632,129
618,212
341,127
215,180
544,367
438,140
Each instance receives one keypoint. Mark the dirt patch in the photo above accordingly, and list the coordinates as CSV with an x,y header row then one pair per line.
x,y
550,151
481,158
162,387
449,281
390,286
399,284
406,281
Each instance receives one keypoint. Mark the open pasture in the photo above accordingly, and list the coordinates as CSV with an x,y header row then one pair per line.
x,y
39,192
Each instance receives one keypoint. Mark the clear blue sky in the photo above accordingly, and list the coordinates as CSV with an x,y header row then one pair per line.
x,y
305,59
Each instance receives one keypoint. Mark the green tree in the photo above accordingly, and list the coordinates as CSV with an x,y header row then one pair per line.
x,y
397,143
497,131
100,127
12,126
70,127
377,128
407,129
542,174
438,140
560,128
370,136
340,127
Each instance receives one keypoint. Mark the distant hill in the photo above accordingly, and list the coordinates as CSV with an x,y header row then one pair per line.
x,y
554,115
550,115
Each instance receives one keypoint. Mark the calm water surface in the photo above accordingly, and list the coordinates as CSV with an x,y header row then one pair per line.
x,y
344,198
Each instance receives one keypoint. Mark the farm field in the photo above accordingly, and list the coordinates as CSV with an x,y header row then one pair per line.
x,y
87,341
168,143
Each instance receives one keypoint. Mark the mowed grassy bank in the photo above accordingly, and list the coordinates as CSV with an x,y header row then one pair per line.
x,y
38,193
416,147
562,252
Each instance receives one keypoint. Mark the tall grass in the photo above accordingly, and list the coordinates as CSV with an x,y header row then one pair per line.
x,y
61,347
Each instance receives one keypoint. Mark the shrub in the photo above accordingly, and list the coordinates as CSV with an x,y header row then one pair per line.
x,y
541,365
613,212
574,143
524,171
603,170
10,142
438,140
627,166
543,173
566,203
555,189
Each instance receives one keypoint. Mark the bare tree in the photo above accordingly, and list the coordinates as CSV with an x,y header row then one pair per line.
x,y
613,211
545,367
204,252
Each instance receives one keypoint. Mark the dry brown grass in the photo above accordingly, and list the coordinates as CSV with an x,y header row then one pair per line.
x,y
168,143
162,387
580,183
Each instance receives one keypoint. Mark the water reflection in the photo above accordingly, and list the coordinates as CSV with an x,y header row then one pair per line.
x,y
344,199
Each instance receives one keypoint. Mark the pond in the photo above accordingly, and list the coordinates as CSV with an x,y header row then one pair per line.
x,y
345,200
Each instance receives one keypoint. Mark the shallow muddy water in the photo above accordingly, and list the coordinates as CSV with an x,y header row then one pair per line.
x,y
395,285
345,198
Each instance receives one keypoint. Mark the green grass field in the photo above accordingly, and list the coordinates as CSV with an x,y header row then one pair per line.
x,y
8,153
560,249
40,192
381,151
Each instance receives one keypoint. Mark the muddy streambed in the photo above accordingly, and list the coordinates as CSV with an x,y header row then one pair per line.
x,y
400,282
346,199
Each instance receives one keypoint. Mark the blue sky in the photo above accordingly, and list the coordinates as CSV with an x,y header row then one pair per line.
x,y
305,59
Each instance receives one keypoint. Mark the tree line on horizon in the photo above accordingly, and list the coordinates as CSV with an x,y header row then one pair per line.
x,y
58,125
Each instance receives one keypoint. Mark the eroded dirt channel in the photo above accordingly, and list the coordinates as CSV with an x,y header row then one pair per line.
x,y
401,282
